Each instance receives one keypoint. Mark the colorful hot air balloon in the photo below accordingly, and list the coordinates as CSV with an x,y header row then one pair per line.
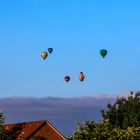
x,y
50,50
67,78
44,55
81,76
103,52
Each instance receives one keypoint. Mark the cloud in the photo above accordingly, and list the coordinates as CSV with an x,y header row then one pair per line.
x,y
63,113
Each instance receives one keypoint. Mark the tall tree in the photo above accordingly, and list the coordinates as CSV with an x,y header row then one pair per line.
x,y
6,134
2,130
125,112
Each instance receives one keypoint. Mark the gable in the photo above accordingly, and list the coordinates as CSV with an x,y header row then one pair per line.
x,y
36,128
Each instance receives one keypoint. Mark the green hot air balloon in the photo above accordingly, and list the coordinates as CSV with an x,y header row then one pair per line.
x,y
103,52
44,55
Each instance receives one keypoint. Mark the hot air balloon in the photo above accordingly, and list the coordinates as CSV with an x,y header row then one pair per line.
x,y
50,50
103,52
44,55
67,78
81,76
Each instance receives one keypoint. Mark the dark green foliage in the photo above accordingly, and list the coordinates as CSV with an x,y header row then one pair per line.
x,y
2,130
103,131
125,112
5,134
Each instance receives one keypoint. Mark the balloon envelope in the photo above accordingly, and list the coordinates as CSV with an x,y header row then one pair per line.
x,y
81,76
44,55
50,50
67,78
103,52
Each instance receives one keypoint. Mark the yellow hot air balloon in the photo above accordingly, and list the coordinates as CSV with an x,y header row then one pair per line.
x,y
44,55
81,76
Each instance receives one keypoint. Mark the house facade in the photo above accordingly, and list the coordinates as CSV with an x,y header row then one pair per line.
x,y
35,130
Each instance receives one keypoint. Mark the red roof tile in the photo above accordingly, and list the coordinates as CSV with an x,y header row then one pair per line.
x,y
36,128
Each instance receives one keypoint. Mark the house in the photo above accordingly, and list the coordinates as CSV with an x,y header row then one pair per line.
x,y
31,130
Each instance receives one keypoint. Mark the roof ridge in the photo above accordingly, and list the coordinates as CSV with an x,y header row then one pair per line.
x,y
57,131
26,122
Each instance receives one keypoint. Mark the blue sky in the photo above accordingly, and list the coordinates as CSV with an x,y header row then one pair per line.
x,y
76,30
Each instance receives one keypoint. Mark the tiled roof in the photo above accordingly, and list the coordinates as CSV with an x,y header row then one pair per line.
x,y
36,128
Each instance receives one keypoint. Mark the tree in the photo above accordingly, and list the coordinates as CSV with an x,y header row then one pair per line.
x,y
6,134
3,132
125,112
103,131
121,121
